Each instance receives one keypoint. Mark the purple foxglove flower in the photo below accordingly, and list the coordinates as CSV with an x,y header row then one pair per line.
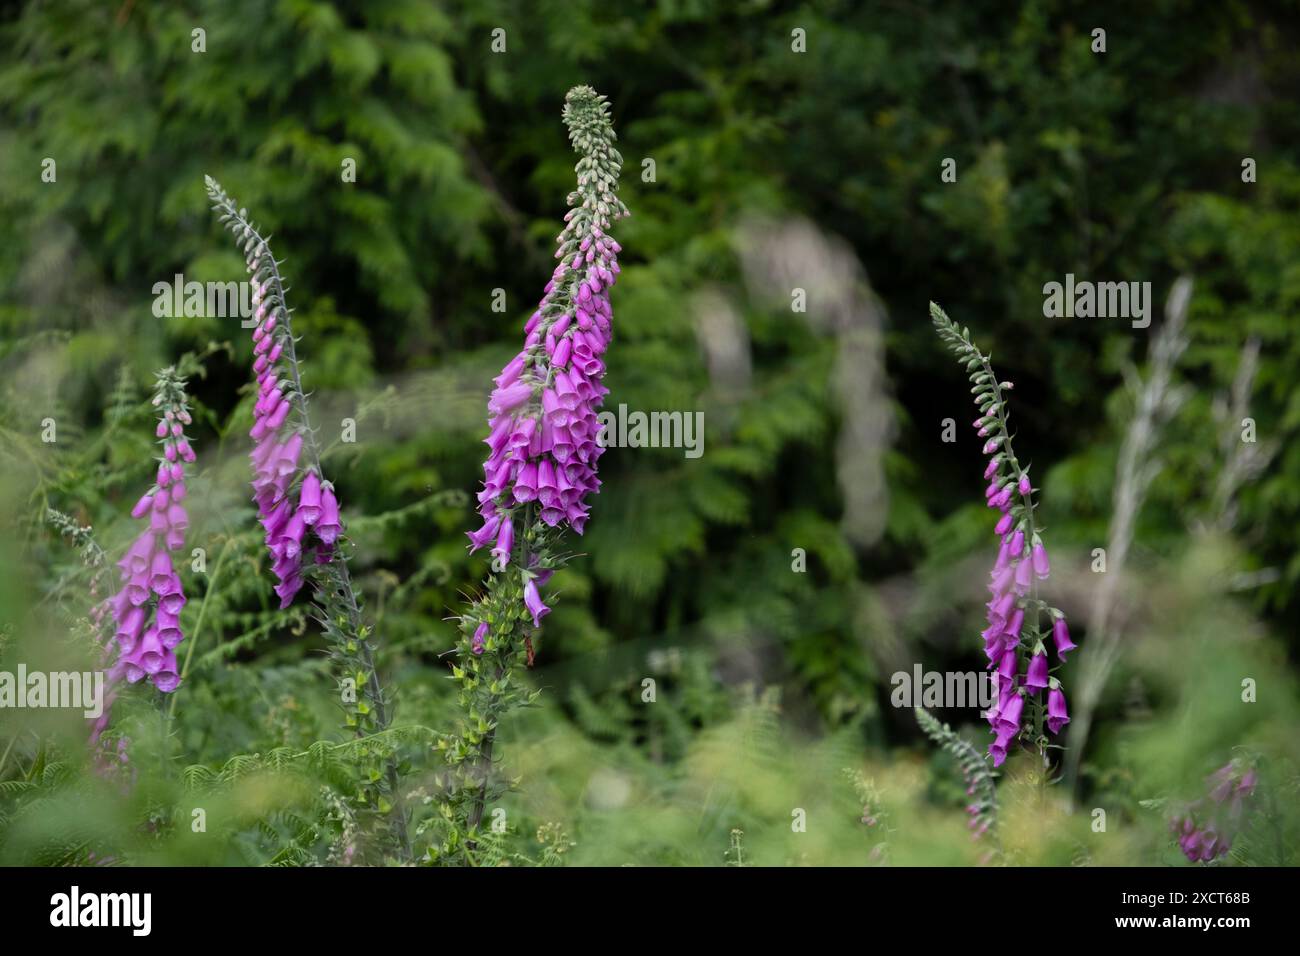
x,y
129,628
560,359
162,579
1014,625
1004,556
1002,609
138,556
1061,637
173,600
1041,565
292,535
1036,679
286,456
509,398
1009,713
177,518
526,483
150,653
533,601
137,589
328,526
1024,577
505,542
168,629
1002,580
1008,666
142,506
1004,523
484,534
998,749
1024,487
510,374
309,498
1057,713
287,589
992,469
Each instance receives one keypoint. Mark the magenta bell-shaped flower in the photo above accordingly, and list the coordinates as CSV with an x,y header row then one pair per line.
x,y
1036,678
1010,712
998,749
509,398
533,601
309,499
505,542
1057,713
480,636
1041,565
1061,637
328,526
486,533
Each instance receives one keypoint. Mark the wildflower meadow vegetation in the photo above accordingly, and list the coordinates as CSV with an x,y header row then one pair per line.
x,y
487,434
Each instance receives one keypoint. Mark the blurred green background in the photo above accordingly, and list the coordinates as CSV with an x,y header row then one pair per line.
x,y
751,170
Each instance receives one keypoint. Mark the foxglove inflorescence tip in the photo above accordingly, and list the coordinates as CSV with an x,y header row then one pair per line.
x,y
146,611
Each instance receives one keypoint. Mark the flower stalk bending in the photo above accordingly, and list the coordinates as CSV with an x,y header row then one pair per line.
x,y
299,511
1015,638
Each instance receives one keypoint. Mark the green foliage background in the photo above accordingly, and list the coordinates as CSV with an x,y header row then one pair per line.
x,y
1125,165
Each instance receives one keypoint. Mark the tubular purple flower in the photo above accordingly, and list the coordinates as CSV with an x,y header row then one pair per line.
x,y
1042,567
998,749
1008,665
309,498
507,399
533,601
1009,713
1024,577
1057,713
1036,678
328,525
505,542
1061,637
486,533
